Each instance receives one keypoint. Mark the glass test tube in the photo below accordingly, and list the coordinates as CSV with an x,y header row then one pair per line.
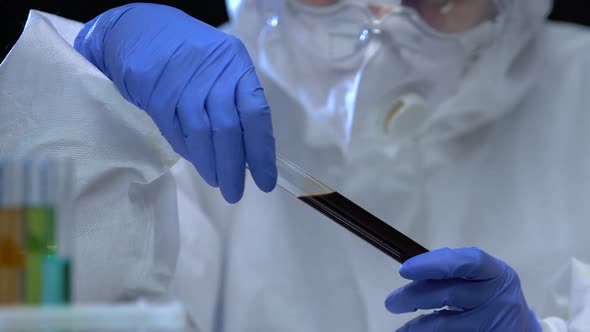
x,y
345,212
56,265
39,224
12,238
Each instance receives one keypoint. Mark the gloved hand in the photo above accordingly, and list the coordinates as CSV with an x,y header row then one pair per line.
x,y
197,83
481,292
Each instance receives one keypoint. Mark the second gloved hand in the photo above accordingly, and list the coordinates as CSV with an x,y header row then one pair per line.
x,y
197,83
482,292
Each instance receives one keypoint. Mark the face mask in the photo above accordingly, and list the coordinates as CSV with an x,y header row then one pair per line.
x,y
352,70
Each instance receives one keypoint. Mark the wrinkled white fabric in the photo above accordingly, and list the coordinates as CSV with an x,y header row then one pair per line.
x,y
503,165
55,103
569,298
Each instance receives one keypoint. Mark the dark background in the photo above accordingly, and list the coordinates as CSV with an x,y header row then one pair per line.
x,y
13,13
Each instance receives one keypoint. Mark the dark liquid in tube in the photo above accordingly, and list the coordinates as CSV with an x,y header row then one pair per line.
x,y
365,225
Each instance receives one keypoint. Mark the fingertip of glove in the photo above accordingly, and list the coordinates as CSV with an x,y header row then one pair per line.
x,y
406,270
231,198
210,179
269,186
267,180
390,304
213,183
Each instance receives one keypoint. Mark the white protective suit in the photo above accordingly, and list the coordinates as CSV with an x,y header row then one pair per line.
x,y
502,165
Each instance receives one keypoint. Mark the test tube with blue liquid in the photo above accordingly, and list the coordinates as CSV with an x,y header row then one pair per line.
x,y
57,263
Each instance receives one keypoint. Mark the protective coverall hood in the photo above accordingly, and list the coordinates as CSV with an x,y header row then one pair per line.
x,y
489,84
498,82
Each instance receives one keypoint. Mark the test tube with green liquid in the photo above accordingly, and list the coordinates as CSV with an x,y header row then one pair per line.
x,y
47,276
39,226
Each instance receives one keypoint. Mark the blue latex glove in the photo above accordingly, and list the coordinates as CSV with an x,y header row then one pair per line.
x,y
483,293
196,82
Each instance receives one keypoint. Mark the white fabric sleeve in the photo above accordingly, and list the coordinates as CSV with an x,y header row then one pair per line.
x,y
53,102
569,299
